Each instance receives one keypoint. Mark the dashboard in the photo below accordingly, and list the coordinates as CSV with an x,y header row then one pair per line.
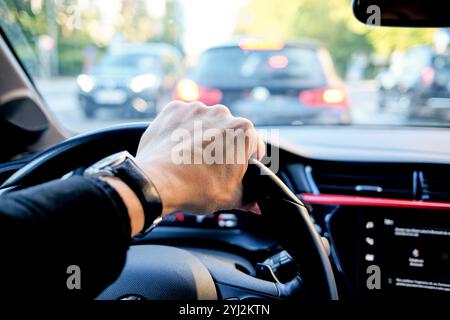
x,y
387,220
379,196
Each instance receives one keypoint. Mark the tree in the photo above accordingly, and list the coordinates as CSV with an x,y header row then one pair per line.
x,y
74,25
329,21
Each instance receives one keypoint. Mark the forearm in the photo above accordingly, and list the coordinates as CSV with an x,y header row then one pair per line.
x,y
44,229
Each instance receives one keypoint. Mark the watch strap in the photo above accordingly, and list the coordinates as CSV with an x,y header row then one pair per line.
x,y
129,172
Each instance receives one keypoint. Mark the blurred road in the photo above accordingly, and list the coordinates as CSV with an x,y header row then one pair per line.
x,y
364,106
60,95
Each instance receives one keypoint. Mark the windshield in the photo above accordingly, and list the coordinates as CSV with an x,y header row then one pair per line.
x,y
278,63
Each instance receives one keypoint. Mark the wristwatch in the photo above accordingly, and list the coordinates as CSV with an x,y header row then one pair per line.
x,y
123,166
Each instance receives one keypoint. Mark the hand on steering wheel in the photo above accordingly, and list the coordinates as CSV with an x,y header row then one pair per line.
x,y
200,188
202,153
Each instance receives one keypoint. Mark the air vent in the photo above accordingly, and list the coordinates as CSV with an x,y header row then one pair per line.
x,y
364,180
435,185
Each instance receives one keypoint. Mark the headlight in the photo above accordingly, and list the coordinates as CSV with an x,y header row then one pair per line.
x,y
85,82
143,81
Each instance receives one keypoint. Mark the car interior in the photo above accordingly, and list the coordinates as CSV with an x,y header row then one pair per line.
x,y
348,203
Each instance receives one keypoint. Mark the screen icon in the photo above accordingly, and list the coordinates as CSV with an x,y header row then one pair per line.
x,y
370,241
370,225
369,257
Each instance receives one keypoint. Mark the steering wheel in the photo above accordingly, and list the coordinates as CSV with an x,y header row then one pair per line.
x,y
164,272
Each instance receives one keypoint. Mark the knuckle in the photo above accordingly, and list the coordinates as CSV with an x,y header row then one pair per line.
x,y
174,105
197,107
221,109
243,123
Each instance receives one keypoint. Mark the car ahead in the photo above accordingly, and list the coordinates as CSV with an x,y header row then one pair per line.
x,y
135,78
421,86
269,82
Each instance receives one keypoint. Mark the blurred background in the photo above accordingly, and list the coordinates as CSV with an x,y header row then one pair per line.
x,y
290,62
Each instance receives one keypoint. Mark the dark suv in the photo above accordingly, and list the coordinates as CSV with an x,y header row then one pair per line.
x,y
133,78
269,82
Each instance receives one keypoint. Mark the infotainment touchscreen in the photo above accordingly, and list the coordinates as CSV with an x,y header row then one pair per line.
x,y
409,249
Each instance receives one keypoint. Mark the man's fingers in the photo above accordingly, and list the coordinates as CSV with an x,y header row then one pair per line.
x,y
257,145
251,207
260,148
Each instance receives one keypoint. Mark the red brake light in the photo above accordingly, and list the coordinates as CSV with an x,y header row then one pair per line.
x,y
427,76
210,96
187,90
326,97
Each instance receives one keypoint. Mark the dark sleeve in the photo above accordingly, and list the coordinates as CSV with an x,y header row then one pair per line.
x,y
46,229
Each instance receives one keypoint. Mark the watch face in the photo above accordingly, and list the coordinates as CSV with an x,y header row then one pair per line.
x,y
110,161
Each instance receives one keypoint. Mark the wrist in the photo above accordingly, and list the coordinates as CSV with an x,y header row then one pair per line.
x,y
133,183
131,201
165,183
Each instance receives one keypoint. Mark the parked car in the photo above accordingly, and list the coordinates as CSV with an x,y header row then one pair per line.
x,y
133,78
269,82
422,86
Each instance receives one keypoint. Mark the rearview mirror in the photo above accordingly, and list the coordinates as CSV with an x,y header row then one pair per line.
x,y
402,13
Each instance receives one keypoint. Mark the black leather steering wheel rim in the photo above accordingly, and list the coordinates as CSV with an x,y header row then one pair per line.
x,y
293,228
64,157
